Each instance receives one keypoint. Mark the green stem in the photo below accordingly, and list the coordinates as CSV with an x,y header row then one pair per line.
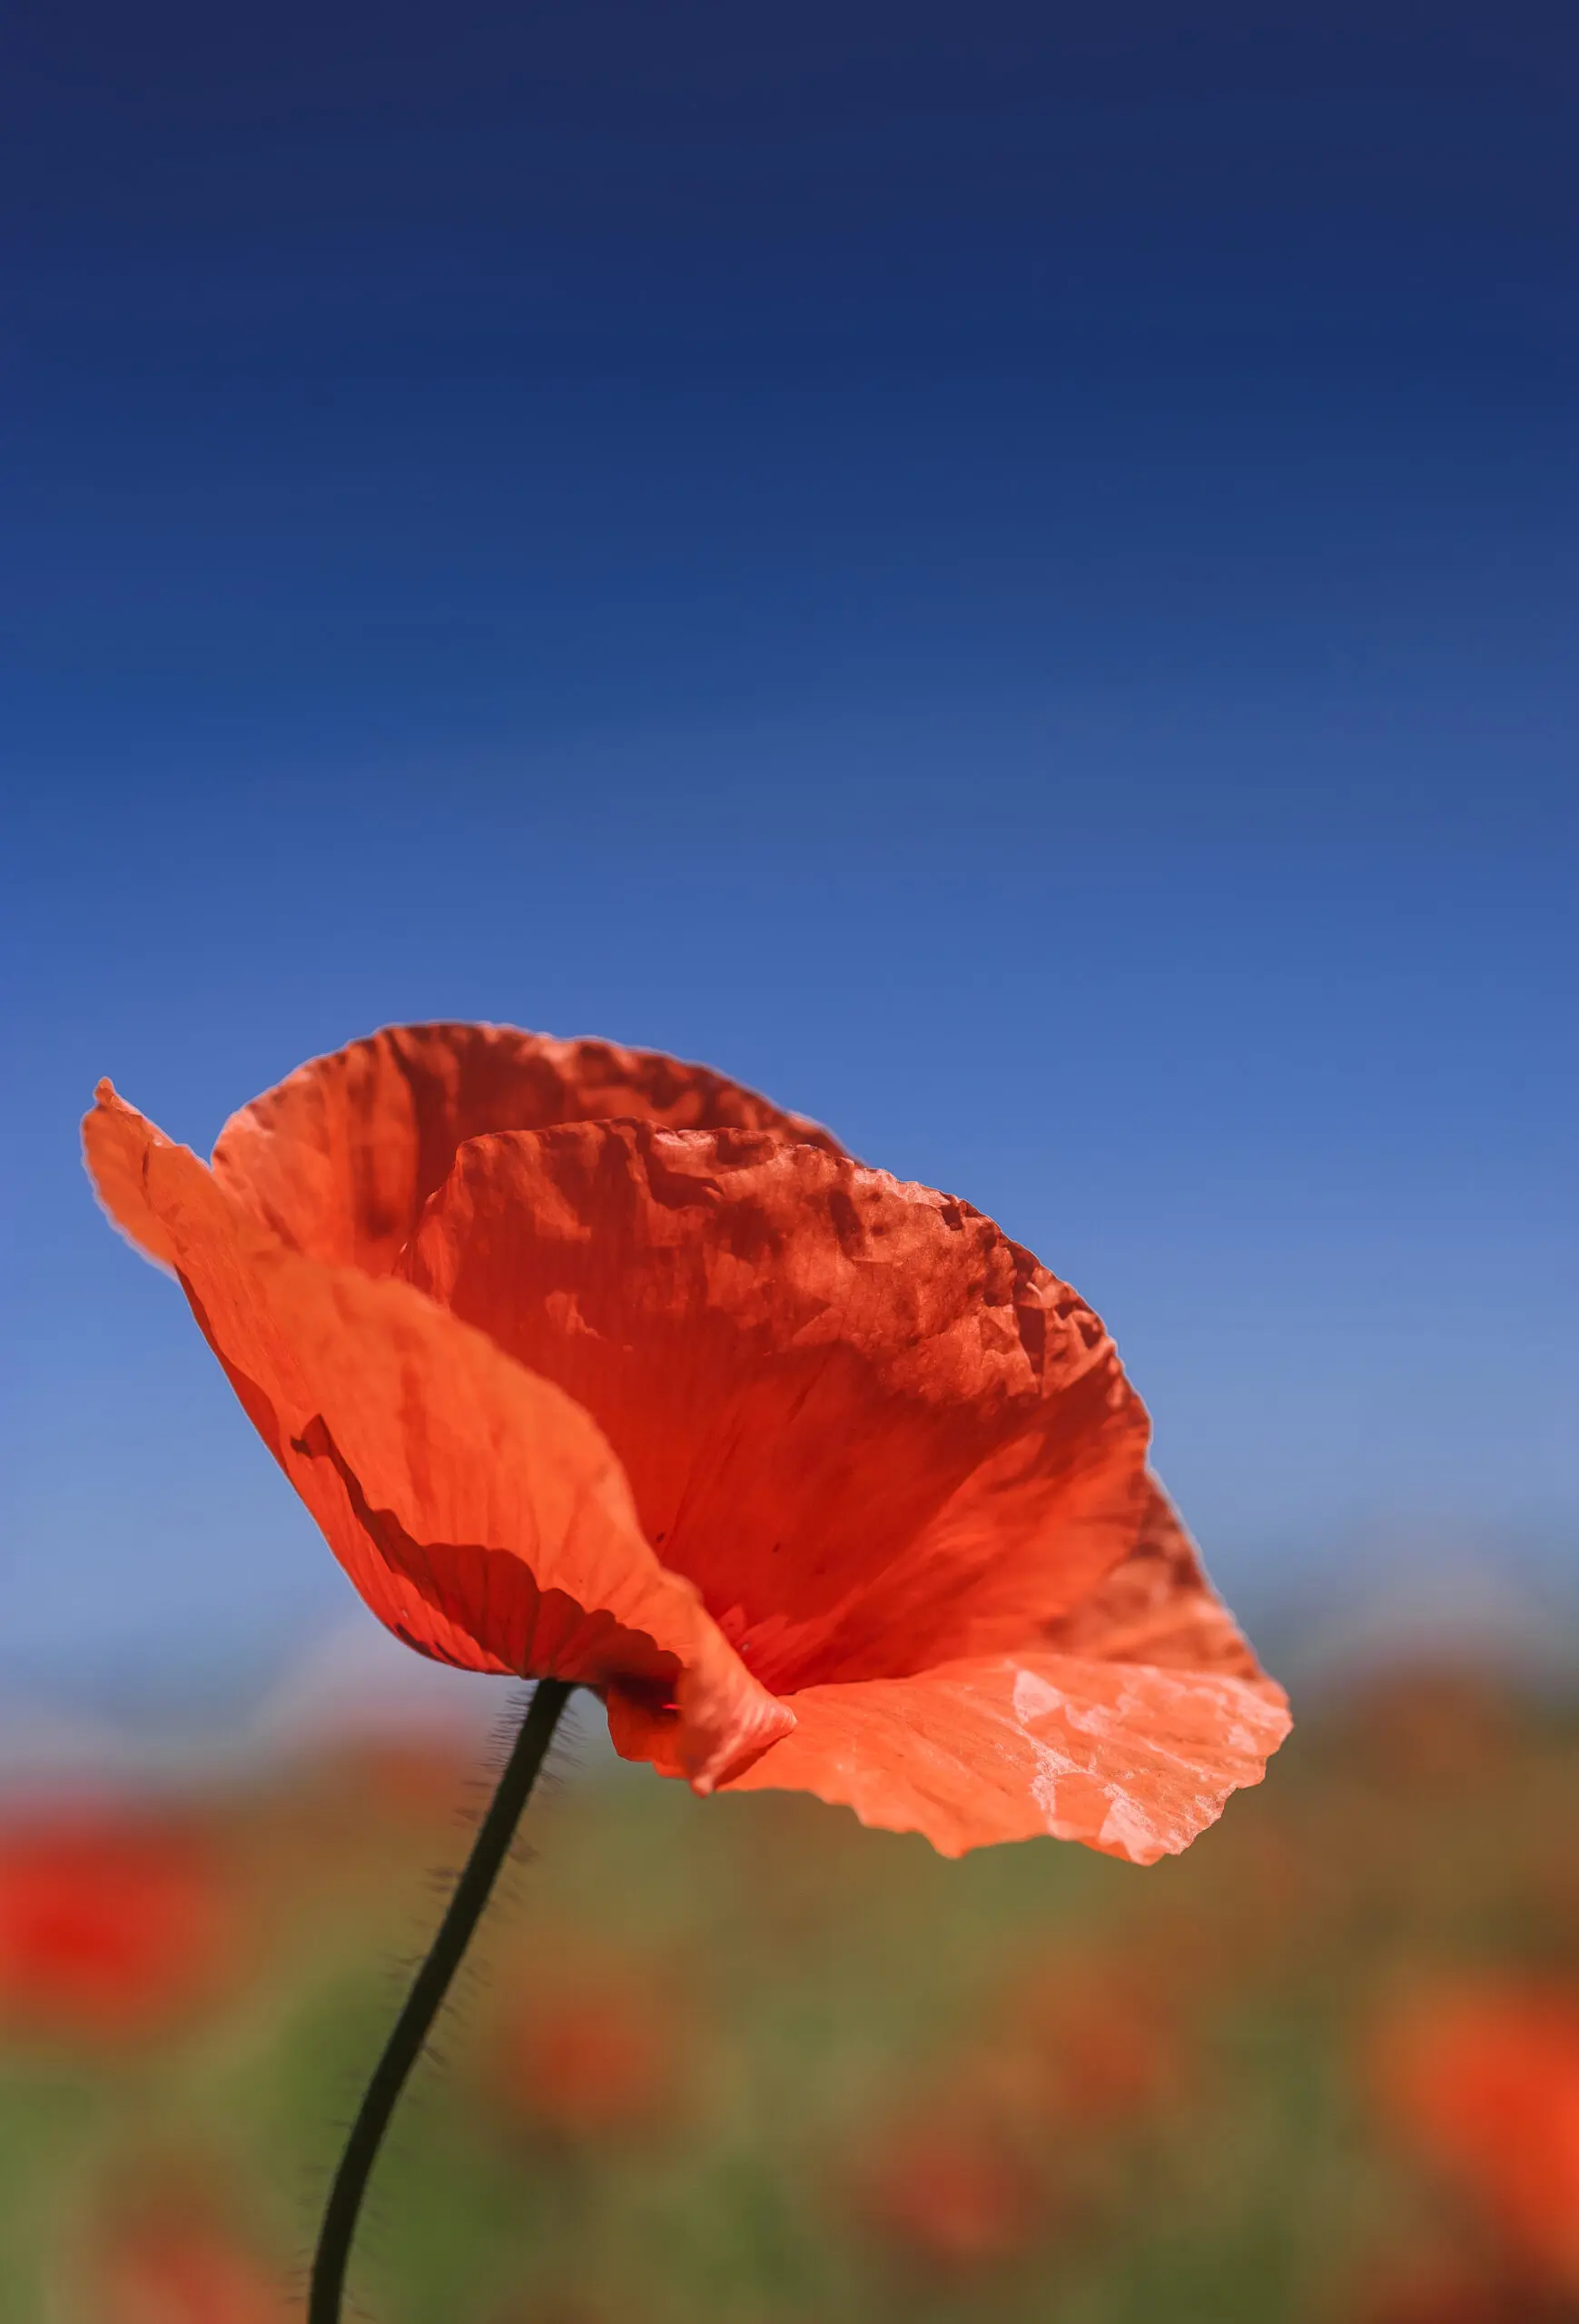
x,y
426,1998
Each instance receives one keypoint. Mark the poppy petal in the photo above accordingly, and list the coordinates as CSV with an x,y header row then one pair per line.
x,y
1133,1760
875,1432
1158,1606
476,1508
339,1159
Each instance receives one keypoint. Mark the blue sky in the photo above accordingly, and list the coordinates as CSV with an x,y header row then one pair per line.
x,y
1008,580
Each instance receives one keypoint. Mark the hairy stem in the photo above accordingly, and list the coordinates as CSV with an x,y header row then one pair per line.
x,y
426,1998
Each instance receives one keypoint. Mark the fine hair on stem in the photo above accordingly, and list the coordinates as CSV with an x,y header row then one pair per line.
x,y
409,2034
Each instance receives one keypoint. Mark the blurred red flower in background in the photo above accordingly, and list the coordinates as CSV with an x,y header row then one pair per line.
x,y
594,2054
177,2264
949,2193
111,1926
1100,2039
1483,2081
592,1364
1442,2292
1024,2128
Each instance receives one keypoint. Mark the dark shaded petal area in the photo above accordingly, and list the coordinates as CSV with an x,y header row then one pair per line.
x,y
875,1432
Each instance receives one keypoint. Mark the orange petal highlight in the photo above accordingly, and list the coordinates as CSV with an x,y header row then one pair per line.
x,y
339,1159
875,1432
1133,1760
476,1508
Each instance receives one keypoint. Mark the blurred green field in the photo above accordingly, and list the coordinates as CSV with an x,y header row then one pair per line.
x,y
741,2062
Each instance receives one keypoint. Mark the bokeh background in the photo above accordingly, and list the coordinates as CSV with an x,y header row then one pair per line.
x,y
1006,577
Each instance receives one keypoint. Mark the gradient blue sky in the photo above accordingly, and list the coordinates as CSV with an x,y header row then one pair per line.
x,y
1004,574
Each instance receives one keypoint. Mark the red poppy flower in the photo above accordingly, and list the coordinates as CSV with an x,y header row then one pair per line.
x,y
110,1928
592,1365
1483,2080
